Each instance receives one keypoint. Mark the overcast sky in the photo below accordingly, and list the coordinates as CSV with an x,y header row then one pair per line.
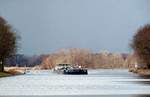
x,y
48,25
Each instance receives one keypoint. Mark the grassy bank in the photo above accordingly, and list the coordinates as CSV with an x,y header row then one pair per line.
x,y
140,71
4,74
11,72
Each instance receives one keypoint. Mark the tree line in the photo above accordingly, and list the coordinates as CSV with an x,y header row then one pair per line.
x,y
20,60
85,58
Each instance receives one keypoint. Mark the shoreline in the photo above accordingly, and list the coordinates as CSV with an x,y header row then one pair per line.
x,y
11,72
145,72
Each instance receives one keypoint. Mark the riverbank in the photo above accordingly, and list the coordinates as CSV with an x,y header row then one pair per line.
x,y
140,71
11,72
4,74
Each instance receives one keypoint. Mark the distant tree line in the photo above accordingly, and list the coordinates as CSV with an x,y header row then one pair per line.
x,y
86,58
21,60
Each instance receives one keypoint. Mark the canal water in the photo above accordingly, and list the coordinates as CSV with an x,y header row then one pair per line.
x,y
98,83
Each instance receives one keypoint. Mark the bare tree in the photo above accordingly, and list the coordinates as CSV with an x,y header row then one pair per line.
x,y
141,44
8,42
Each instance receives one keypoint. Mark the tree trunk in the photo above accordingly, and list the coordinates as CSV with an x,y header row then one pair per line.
x,y
148,66
1,66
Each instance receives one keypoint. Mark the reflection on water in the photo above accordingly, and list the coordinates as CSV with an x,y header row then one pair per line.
x,y
144,77
142,96
99,83
140,79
